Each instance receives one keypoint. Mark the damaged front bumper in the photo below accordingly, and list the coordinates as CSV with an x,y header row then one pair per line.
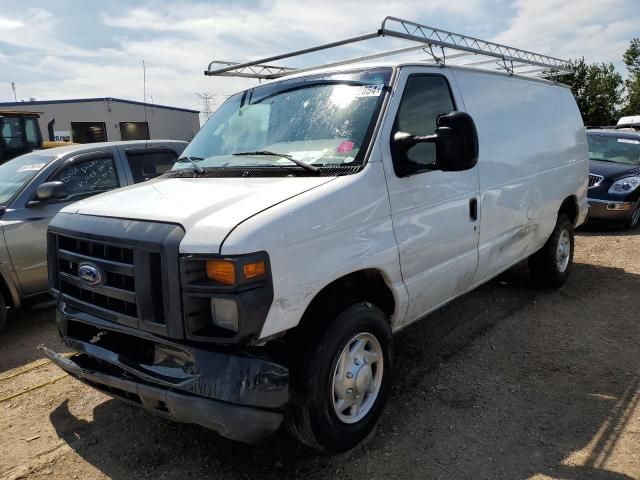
x,y
239,395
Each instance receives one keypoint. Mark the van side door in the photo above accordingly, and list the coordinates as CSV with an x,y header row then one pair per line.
x,y
435,213
531,141
26,221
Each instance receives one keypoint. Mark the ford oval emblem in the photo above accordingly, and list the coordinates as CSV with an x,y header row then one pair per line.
x,y
90,274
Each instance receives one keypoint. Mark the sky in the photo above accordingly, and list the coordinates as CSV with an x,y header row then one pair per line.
x,y
60,49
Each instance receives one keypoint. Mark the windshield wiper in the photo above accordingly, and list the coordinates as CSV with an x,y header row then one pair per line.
x,y
300,163
192,161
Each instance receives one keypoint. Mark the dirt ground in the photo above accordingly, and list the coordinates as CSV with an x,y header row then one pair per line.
x,y
506,382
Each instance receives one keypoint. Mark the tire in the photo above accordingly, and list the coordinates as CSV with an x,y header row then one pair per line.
x,y
312,416
635,217
3,314
551,265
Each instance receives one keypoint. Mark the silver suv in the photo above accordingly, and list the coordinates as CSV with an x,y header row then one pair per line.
x,y
35,186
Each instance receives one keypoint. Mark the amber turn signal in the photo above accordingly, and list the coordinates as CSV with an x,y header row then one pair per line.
x,y
222,271
254,270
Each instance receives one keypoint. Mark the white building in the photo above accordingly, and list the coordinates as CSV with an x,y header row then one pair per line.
x,y
89,120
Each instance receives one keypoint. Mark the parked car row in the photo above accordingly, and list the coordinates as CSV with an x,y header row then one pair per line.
x,y
36,186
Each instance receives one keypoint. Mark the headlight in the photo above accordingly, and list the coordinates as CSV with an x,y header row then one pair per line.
x,y
235,271
224,313
625,185
225,299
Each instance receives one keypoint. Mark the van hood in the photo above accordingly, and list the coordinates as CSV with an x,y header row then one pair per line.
x,y
218,204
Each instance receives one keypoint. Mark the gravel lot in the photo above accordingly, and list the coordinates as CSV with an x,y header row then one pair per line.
x,y
506,382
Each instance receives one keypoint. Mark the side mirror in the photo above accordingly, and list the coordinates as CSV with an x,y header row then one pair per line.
x,y
457,144
52,191
456,141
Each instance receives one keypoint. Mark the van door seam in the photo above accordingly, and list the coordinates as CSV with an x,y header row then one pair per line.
x,y
393,231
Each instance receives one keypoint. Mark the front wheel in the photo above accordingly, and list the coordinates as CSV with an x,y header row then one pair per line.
x,y
635,216
550,266
340,389
3,314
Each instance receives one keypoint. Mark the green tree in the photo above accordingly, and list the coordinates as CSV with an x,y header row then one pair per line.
x,y
632,57
598,90
632,60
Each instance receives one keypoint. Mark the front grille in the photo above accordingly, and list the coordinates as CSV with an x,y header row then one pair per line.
x,y
155,271
595,180
135,266
117,292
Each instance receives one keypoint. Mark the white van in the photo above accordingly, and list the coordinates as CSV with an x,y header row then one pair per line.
x,y
260,282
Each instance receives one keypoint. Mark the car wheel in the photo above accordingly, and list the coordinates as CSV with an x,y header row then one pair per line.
x,y
339,391
4,314
635,216
550,266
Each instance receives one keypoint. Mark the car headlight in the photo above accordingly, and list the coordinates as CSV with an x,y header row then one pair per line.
x,y
225,299
232,271
625,185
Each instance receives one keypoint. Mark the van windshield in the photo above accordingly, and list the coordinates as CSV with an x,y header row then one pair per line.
x,y
324,121
609,148
16,173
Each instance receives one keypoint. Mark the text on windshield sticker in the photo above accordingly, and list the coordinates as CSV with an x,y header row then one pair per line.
x,y
369,91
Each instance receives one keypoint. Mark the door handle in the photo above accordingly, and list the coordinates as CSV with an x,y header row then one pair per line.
x,y
473,209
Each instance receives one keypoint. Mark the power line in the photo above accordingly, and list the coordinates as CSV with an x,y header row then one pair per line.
x,y
206,103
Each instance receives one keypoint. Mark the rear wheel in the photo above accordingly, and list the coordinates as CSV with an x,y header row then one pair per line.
x,y
550,266
342,384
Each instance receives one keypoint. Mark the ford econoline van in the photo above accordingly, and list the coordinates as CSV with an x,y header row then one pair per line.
x,y
259,283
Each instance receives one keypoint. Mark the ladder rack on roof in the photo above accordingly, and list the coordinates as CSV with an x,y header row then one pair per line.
x,y
451,45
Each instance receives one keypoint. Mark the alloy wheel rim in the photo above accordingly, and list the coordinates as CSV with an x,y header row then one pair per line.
x,y
563,250
357,377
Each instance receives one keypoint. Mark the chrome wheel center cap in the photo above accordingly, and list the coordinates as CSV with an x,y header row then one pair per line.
x,y
363,379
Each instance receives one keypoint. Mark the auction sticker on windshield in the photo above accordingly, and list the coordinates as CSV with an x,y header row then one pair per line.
x,y
308,156
369,91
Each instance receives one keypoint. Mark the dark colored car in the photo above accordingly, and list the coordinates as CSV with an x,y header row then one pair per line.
x,y
614,176
37,185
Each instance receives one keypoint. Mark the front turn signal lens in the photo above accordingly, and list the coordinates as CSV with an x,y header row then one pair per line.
x,y
222,271
254,270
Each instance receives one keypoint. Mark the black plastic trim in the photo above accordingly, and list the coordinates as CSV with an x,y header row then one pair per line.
x,y
231,375
253,299
237,422
145,239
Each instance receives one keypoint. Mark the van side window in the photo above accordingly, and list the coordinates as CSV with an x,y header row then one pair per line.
x,y
88,177
425,98
146,165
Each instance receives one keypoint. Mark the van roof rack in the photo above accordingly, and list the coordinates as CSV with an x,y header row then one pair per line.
x,y
481,53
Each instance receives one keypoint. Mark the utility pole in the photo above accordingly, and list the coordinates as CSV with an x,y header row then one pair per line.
x,y
206,103
13,87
